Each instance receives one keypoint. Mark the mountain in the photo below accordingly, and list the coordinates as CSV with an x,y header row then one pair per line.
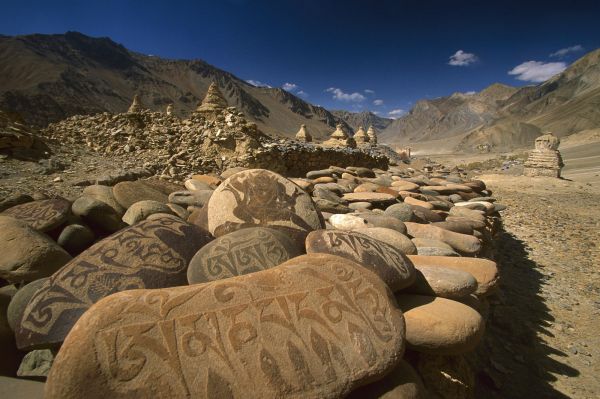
x,y
504,117
364,119
447,116
46,78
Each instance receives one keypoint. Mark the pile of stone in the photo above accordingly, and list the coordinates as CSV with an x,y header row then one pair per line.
x,y
545,159
349,281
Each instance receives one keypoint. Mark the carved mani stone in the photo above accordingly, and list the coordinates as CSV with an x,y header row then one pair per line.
x,y
258,197
151,254
391,265
128,193
43,215
241,252
317,326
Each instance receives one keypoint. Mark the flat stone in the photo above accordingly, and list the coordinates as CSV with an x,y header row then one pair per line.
x,y
347,222
426,215
315,174
305,185
474,224
142,209
104,194
429,242
455,226
197,198
258,197
405,185
436,251
227,173
360,205
377,199
36,363
324,205
392,237
468,213
20,300
460,242
27,255
43,215
212,181
150,254
386,261
443,282
402,383
485,271
196,185
324,179
316,326
366,188
241,252
402,212
97,214
388,222
440,326
128,193
164,186
414,201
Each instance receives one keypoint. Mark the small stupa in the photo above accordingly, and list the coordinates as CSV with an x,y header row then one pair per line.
x,y
213,101
372,135
136,105
303,135
169,109
545,159
361,137
339,138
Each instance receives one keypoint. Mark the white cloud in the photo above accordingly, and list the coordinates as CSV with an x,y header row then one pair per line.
x,y
369,91
376,112
338,94
564,51
537,71
378,102
290,87
470,93
257,83
461,58
302,93
396,113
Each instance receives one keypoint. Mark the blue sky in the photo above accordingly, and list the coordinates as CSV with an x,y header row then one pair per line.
x,y
357,55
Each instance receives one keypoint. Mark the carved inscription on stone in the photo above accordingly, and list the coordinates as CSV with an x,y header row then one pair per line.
x,y
391,265
241,252
258,197
316,326
154,253
41,215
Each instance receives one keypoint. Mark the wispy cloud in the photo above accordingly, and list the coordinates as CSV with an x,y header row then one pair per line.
x,y
338,94
378,102
461,58
396,113
369,91
537,71
257,83
302,93
290,87
564,51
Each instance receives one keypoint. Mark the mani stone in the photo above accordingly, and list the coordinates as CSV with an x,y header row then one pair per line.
x,y
303,135
372,135
43,215
317,326
545,159
258,197
440,326
386,261
128,193
26,254
339,138
151,254
142,209
213,101
136,105
241,252
20,300
361,136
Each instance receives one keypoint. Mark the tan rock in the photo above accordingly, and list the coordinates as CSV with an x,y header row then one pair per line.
x,y
461,242
212,181
316,326
402,185
392,237
443,282
402,383
128,193
485,271
414,201
439,325
42,215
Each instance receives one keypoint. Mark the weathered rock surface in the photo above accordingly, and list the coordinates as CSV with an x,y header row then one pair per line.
x,y
316,326
461,242
153,253
443,282
43,215
402,383
392,237
386,261
142,209
258,197
19,302
26,254
439,325
128,193
241,252
97,214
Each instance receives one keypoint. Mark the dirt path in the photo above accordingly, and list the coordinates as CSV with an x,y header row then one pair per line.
x,y
544,339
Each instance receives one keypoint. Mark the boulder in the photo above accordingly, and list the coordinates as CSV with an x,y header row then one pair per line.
x,y
42,215
402,383
443,282
97,214
460,242
402,212
128,193
150,254
316,326
104,194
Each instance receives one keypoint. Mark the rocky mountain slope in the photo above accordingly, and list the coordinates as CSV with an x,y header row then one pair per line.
x,y
503,117
46,78
364,119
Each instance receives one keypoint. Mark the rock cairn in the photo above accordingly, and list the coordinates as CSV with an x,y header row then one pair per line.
x,y
545,159
372,135
361,137
339,138
213,102
136,106
303,135
249,284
